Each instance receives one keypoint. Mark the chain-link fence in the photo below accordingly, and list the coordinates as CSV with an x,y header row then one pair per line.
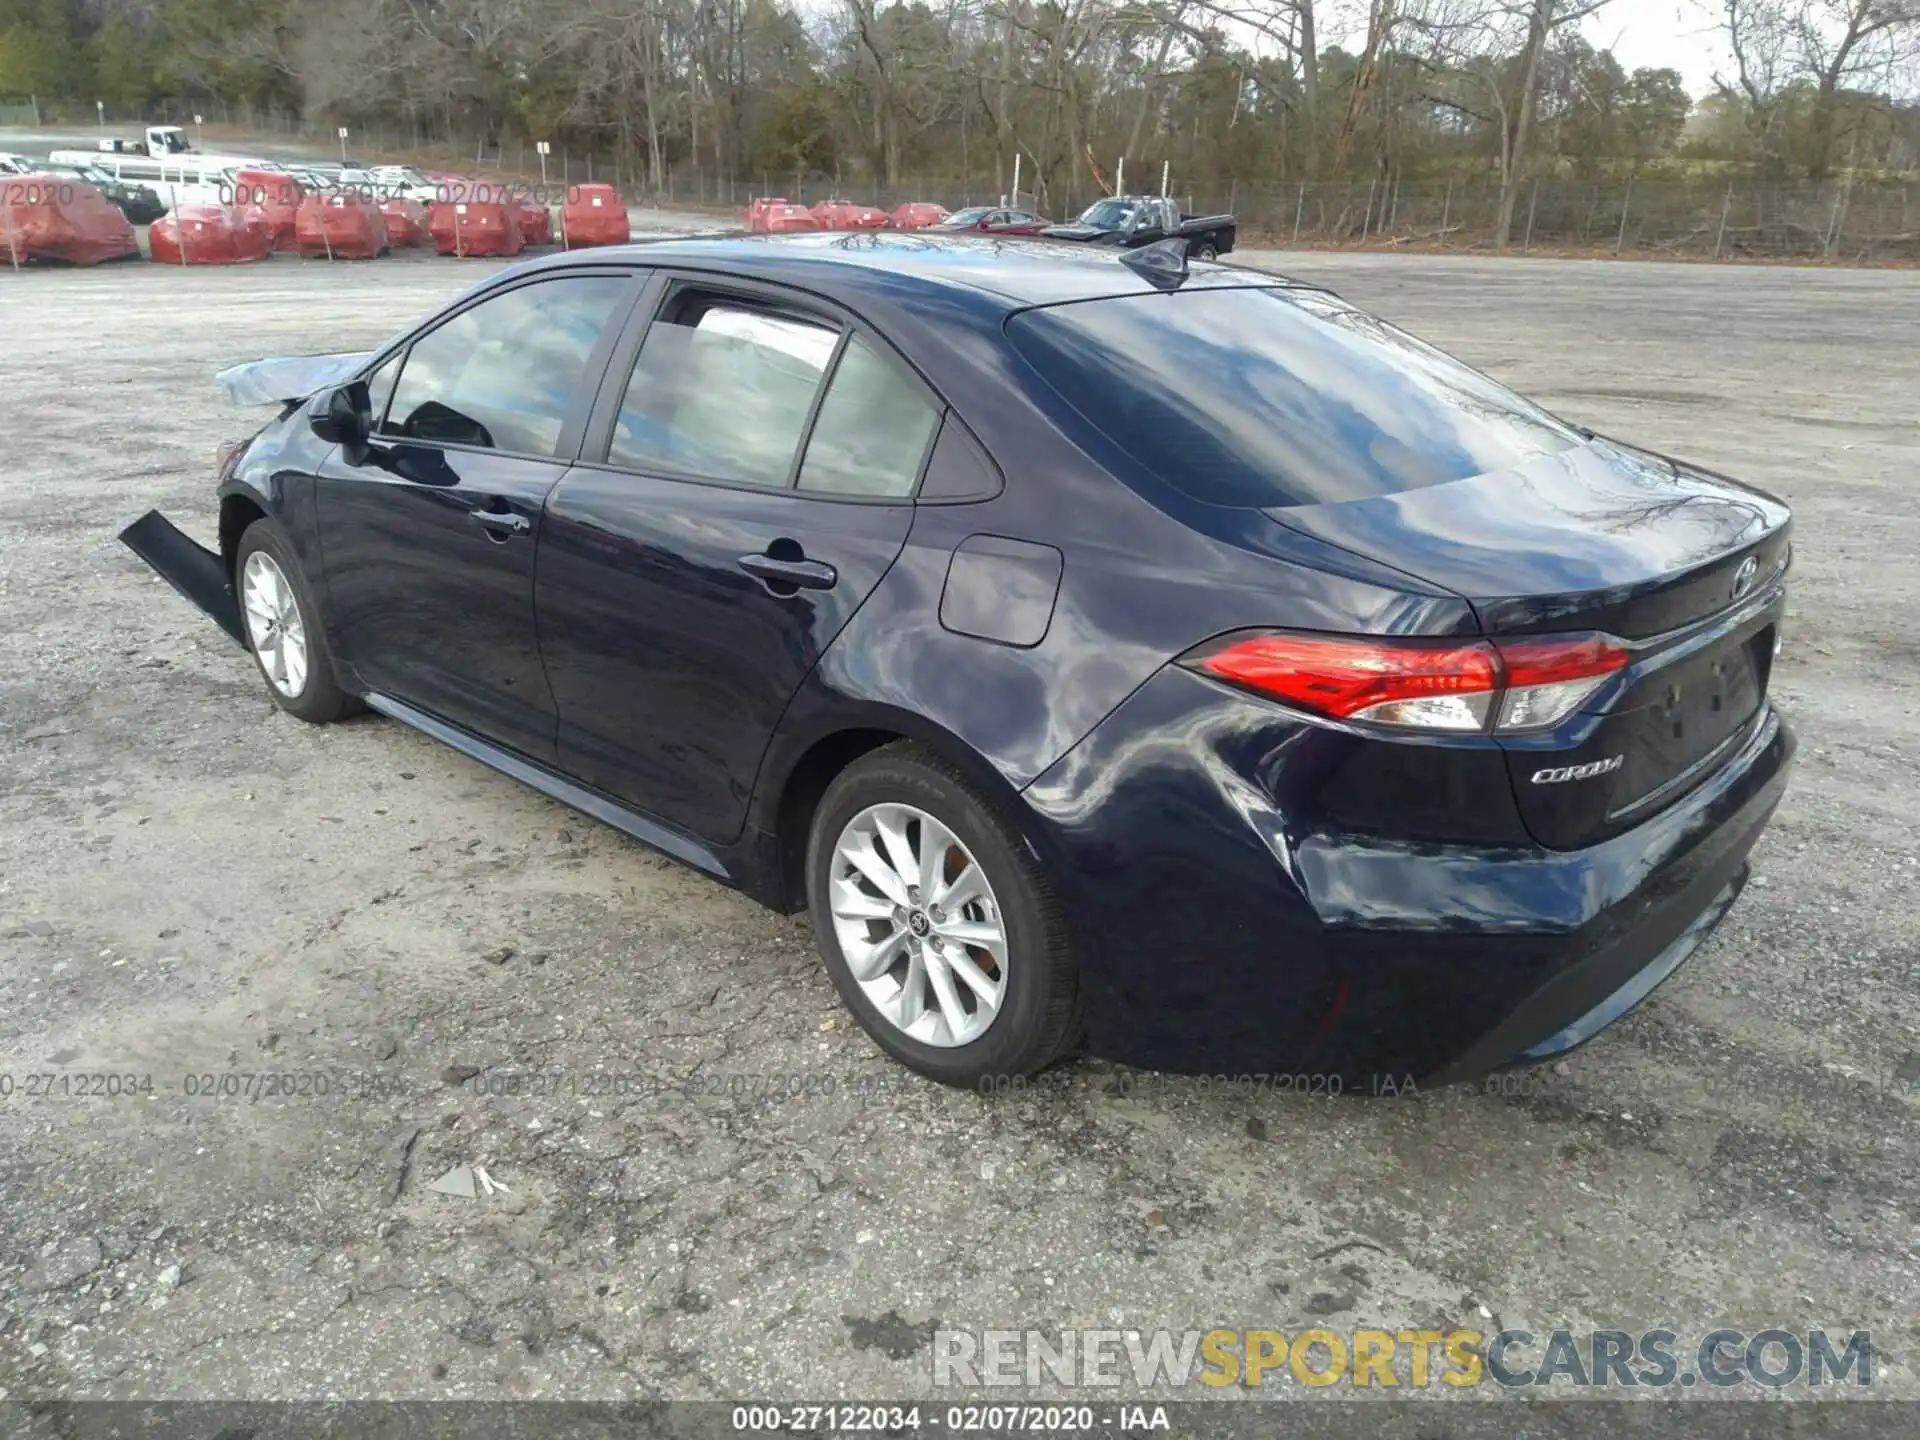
x,y
1846,219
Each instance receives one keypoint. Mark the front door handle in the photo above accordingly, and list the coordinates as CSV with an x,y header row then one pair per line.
x,y
780,570
502,522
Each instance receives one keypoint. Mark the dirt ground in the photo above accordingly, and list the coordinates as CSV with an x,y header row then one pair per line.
x,y
716,1186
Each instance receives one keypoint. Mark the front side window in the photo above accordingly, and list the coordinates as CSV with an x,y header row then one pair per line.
x,y
380,388
504,374
722,390
873,429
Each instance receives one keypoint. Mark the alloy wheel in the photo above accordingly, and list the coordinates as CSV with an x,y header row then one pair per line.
x,y
274,626
918,924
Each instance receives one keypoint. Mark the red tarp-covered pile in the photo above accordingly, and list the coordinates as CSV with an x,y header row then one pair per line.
x,y
210,235
463,228
536,223
917,215
406,221
55,217
594,215
845,215
340,227
277,199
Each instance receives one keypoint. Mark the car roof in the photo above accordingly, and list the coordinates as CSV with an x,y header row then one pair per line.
x,y
1013,274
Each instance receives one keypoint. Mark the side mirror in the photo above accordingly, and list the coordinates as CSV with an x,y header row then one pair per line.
x,y
344,416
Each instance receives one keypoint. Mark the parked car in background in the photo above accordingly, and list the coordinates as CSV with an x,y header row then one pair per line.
x,y
12,164
1183,658
849,215
917,215
138,203
993,220
1130,221
404,182
175,179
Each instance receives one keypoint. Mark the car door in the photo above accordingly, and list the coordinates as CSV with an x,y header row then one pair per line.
x,y
1149,224
428,548
747,481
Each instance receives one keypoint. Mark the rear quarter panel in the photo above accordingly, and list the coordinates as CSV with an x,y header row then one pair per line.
x,y
1145,575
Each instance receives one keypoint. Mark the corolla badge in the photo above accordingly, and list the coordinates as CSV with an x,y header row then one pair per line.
x,y
1561,774
1744,577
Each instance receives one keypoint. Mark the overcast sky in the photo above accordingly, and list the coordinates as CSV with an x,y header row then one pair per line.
x,y
1677,34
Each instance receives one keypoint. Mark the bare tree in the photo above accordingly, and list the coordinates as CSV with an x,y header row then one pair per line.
x,y
1838,40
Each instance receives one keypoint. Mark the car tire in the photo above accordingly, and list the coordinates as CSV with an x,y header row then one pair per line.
x,y
1035,1019
276,605
1205,251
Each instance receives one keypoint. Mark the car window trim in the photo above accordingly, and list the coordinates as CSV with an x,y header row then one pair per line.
x,y
596,450
573,429
831,369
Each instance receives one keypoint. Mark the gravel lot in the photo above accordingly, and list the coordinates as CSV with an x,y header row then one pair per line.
x,y
718,1187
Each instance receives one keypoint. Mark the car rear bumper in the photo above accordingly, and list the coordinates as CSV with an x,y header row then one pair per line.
x,y
1221,933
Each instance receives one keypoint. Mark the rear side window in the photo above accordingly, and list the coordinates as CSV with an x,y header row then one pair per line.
x,y
1275,397
722,391
504,374
873,429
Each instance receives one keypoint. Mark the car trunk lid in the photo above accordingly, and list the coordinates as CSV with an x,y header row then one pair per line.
x,y
1682,564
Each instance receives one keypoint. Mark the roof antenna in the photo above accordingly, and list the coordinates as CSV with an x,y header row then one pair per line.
x,y
1163,264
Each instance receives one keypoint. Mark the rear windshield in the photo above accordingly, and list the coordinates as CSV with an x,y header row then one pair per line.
x,y
1275,397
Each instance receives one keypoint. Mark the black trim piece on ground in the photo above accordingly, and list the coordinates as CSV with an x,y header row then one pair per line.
x,y
195,571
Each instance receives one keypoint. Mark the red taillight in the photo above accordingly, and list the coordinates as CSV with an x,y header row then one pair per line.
x,y
1427,687
1436,688
1553,662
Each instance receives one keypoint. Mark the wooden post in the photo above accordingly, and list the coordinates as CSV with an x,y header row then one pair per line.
x,y
1626,204
1366,222
1721,234
1298,206
1532,203
1446,212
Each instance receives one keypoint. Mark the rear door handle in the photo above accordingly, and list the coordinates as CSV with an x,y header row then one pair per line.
x,y
807,574
502,522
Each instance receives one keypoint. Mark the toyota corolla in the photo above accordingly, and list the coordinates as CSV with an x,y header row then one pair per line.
x,y
1168,659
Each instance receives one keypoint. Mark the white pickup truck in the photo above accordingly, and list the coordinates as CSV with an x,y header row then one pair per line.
x,y
169,166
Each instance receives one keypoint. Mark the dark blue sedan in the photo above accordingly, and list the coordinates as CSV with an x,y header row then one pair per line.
x,y
1174,660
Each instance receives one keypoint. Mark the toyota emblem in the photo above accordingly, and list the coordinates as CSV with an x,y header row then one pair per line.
x,y
1744,577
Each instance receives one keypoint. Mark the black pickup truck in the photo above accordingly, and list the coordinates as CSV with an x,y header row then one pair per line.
x,y
1130,221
